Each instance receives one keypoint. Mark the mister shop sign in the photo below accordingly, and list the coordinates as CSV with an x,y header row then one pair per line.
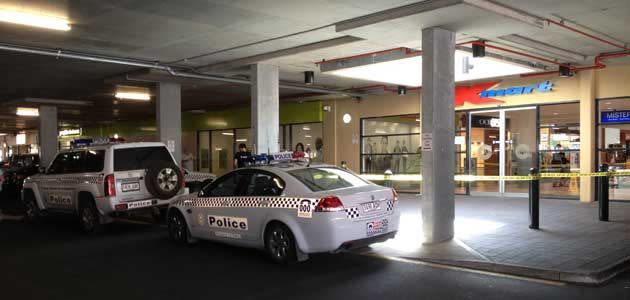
x,y
619,116
543,87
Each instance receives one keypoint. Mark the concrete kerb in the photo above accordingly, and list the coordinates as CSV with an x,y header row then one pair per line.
x,y
594,278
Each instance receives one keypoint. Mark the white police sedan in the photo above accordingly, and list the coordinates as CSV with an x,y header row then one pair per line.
x,y
289,209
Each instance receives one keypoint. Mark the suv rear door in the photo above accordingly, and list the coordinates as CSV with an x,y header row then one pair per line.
x,y
130,166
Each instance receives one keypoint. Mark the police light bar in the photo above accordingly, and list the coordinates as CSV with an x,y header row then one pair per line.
x,y
282,156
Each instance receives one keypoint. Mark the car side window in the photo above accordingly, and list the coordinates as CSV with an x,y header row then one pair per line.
x,y
68,162
262,184
227,186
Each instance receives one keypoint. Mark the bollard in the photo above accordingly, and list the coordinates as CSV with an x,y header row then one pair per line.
x,y
388,178
534,199
602,196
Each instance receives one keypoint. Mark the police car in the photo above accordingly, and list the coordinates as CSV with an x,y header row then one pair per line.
x,y
197,180
290,209
100,181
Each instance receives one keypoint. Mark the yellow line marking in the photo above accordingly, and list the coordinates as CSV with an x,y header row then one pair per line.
x,y
468,270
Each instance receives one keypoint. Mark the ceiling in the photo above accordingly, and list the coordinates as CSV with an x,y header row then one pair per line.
x,y
194,34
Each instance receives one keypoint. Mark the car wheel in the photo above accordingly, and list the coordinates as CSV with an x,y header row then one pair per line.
x,y
164,181
177,229
89,218
32,212
280,244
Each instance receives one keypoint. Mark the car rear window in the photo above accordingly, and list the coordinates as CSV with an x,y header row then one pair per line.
x,y
139,158
326,179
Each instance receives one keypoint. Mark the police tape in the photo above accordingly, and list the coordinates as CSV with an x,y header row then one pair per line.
x,y
418,177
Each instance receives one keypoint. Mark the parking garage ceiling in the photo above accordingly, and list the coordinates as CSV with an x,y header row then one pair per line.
x,y
222,37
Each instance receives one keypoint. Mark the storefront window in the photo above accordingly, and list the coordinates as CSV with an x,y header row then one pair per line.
x,y
461,146
559,149
310,137
392,143
614,143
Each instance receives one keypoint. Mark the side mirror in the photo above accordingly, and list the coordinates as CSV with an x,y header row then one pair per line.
x,y
42,170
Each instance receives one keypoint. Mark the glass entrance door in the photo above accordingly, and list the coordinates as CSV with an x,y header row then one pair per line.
x,y
502,143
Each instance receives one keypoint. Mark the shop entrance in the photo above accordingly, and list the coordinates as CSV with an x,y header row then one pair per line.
x,y
503,143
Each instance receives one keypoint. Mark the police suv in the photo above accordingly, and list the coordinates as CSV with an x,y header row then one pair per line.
x,y
290,209
98,182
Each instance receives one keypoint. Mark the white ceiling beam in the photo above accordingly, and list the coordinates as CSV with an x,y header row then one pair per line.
x,y
507,11
544,47
237,63
394,13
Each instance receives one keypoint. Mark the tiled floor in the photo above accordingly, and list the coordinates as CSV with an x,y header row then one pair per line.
x,y
570,239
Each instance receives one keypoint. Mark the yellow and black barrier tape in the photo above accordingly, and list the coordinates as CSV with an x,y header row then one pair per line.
x,y
418,177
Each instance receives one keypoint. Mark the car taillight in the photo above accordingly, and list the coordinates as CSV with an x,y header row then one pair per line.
x,y
328,204
110,185
395,194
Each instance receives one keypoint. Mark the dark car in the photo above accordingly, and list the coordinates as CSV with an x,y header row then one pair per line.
x,y
19,167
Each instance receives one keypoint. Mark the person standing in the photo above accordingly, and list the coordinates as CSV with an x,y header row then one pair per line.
x,y
243,157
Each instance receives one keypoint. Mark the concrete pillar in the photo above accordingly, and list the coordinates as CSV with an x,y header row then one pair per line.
x,y
588,119
48,132
438,134
265,108
169,117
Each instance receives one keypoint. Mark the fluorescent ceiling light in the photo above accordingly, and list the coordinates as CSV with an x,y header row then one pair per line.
x,y
3,134
408,71
32,19
241,140
133,93
133,96
227,133
27,112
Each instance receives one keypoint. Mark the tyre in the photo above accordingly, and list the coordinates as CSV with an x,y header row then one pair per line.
x,y
32,212
89,218
177,229
164,180
280,244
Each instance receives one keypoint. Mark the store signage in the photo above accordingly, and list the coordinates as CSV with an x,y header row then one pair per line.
x,y
543,87
485,122
70,132
470,94
617,116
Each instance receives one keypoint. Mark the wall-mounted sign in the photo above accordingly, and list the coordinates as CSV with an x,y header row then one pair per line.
x,y
618,116
484,122
70,132
543,87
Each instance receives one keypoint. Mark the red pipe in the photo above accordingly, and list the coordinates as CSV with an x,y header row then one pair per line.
x,y
514,52
598,64
587,34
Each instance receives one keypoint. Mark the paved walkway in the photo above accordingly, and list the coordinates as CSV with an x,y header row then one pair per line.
x,y
492,233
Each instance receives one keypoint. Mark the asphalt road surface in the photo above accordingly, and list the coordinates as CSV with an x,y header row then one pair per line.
x,y
135,260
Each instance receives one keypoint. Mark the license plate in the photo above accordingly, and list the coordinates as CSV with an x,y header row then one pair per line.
x,y
139,204
376,227
130,186
371,206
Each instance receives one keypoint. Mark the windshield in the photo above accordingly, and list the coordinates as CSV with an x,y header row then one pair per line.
x,y
326,179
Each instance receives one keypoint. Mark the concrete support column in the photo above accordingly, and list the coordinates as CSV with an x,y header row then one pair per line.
x,y
169,117
588,119
438,134
265,108
48,132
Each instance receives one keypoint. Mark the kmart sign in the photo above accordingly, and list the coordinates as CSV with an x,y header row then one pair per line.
x,y
543,87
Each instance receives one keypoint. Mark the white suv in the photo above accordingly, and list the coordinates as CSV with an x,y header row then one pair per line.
x,y
102,181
